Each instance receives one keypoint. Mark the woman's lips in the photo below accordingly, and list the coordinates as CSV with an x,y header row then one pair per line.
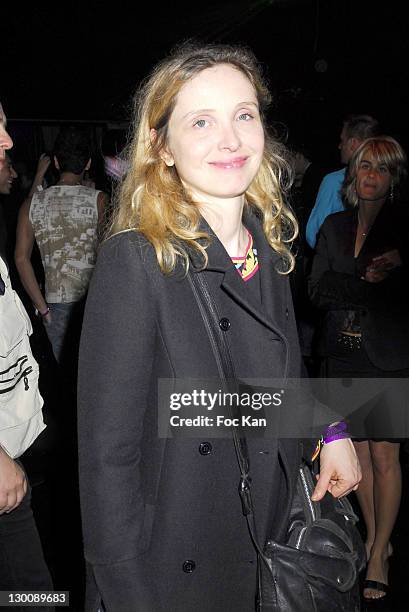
x,y
231,164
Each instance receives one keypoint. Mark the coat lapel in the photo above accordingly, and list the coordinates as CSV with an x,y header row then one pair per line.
x,y
379,239
269,310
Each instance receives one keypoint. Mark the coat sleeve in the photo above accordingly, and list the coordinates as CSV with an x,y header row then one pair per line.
x,y
332,290
321,271
116,356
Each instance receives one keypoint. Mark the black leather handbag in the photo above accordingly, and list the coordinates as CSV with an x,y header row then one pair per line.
x,y
320,561
317,567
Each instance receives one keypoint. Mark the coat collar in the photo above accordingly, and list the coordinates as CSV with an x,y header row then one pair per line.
x,y
379,236
272,284
378,239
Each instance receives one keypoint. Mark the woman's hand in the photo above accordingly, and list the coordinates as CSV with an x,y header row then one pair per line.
x,y
380,266
373,275
387,261
43,165
340,472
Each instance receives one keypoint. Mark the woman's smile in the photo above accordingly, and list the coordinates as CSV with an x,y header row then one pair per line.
x,y
232,164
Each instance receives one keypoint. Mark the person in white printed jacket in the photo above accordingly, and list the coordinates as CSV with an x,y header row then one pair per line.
x,y
21,557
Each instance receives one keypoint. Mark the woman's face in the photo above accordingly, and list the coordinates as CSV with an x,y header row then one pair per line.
x,y
7,176
215,135
5,140
373,179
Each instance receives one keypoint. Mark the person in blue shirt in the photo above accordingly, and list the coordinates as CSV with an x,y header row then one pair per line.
x,y
356,128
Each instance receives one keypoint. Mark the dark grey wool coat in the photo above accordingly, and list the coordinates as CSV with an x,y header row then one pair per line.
x,y
162,520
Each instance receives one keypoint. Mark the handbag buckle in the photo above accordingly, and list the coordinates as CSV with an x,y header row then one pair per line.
x,y
245,496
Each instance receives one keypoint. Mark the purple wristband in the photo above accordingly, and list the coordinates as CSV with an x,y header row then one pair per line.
x,y
342,435
332,430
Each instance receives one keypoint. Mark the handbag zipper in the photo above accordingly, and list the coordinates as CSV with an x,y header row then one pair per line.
x,y
298,543
306,491
311,507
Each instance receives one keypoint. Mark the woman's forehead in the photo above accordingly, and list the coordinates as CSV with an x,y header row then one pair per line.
x,y
208,85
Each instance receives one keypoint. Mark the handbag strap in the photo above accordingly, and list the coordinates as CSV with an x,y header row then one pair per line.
x,y
225,366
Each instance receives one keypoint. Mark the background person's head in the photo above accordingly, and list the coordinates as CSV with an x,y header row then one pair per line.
x,y
7,176
356,128
72,150
155,198
5,140
382,162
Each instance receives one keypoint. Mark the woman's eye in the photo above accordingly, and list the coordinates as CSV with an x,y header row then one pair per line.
x,y
200,123
245,117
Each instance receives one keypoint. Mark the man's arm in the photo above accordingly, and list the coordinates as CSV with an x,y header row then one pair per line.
x,y
13,484
24,248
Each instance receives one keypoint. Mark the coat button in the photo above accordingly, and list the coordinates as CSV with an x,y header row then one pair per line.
x,y
205,448
286,313
224,324
189,566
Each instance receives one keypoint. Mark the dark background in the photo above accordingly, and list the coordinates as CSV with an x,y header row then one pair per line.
x,y
83,60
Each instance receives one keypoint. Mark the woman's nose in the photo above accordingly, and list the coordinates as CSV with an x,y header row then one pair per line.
x,y
229,138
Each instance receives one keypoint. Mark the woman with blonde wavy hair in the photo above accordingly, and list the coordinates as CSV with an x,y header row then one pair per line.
x,y
204,195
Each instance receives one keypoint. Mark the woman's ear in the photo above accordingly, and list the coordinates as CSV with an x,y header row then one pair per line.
x,y
164,153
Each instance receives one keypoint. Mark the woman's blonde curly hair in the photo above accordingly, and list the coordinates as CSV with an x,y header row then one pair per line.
x,y
151,198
